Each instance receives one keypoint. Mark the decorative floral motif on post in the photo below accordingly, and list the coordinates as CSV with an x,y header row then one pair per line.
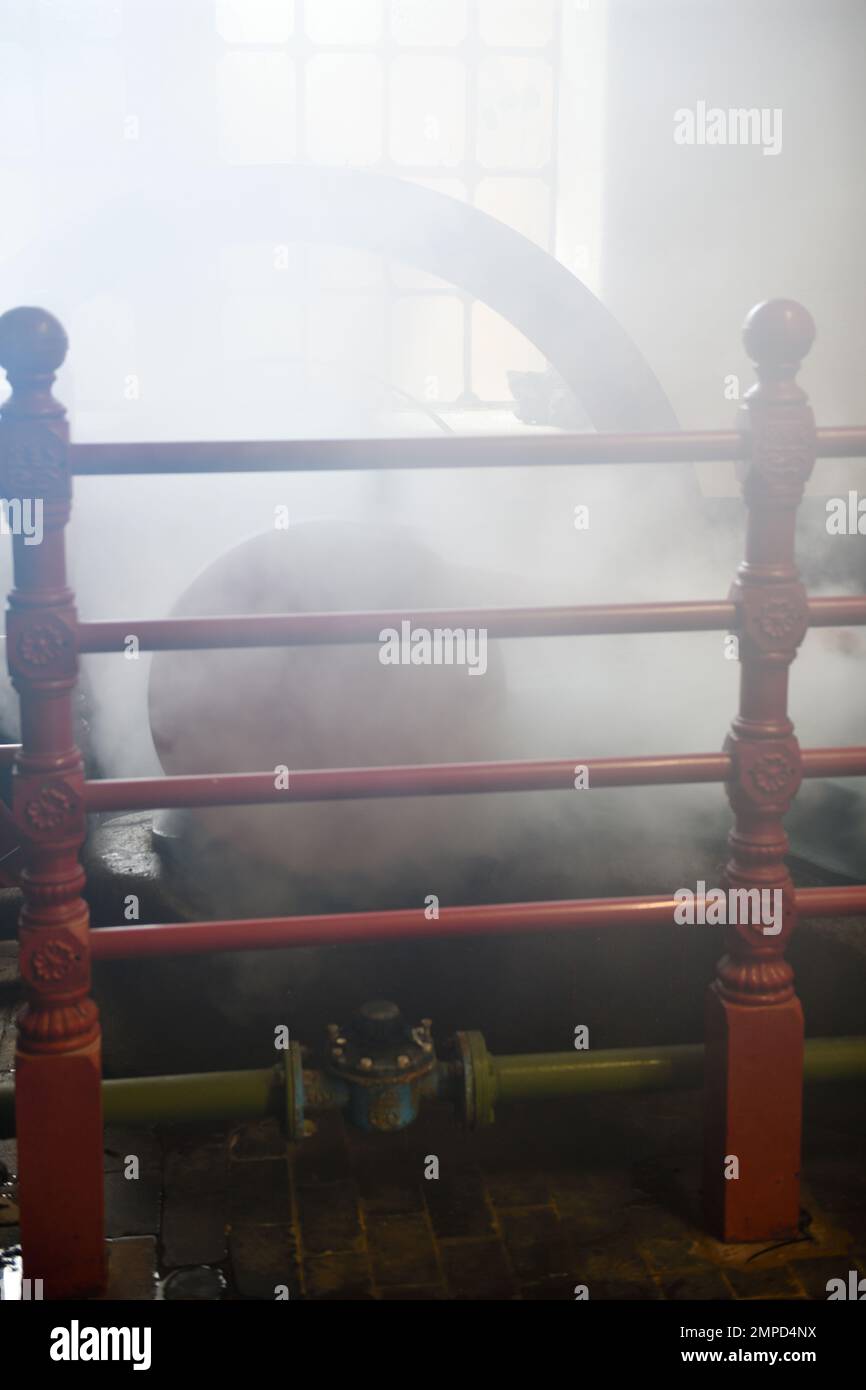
x,y
779,617
54,961
772,772
52,808
775,622
42,642
767,773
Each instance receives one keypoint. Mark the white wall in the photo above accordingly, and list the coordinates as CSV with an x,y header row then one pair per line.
x,y
694,236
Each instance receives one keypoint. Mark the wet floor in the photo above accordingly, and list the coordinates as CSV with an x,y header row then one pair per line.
x,y
596,1191
600,1192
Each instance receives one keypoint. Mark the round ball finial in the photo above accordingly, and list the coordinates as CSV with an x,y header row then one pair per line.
x,y
31,341
778,332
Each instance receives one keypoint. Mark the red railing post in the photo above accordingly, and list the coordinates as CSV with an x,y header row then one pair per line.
x,y
754,1023
58,1062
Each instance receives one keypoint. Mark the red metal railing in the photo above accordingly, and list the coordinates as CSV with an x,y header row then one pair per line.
x,y
754,1030
442,779
479,451
303,629
198,938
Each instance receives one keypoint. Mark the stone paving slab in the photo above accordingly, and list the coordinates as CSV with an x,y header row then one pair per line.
x,y
133,1182
132,1270
195,1202
263,1259
403,1251
478,1269
330,1218
459,1205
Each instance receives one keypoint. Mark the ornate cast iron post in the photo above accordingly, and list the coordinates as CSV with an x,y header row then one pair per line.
x,y
754,1022
58,1063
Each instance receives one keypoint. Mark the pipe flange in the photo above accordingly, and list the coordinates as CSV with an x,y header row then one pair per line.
x,y
379,1049
479,1081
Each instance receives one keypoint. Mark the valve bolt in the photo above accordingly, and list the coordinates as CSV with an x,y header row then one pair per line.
x,y
402,1060
366,1064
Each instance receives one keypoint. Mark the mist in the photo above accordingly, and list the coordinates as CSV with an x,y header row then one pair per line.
x,y
152,222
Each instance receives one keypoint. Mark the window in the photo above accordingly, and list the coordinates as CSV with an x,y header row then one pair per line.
x,y
484,101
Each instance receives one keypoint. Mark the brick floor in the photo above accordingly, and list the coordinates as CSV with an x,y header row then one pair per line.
x,y
239,1215
349,1217
599,1191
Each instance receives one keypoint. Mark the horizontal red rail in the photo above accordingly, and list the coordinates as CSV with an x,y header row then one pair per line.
x,y
248,788
831,902
197,938
842,610
435,451
437,779
255,788
193,938
474,451
834,762
842,443
277,629
301,629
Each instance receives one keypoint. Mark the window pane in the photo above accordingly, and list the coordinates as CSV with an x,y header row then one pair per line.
x,y
254,21
85,19
344,109
519,22
344,22
428,97
420,22
514,113
428,348
256,95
